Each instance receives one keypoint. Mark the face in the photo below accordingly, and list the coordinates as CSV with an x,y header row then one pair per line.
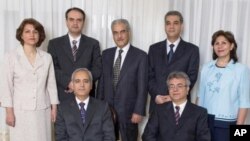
x,y
173,27
120,35
81,84
30,35
222,47
75,22
178,90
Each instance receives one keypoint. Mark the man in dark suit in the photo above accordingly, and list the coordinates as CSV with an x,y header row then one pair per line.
x,y
179,120
92,122
172,54
74,50
124,86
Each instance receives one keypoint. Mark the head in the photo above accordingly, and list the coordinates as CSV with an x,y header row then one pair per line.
x,y
75,18
121,32
178,84
30,31
81,81
173,25
224,45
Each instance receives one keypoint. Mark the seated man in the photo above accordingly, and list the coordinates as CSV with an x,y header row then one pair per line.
x,y
74,123
179,119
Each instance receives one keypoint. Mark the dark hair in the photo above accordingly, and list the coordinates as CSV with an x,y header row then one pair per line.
x,y
75,9
179,75
36,25
230,37
173,13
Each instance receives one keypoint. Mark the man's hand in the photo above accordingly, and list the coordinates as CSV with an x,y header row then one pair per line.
x,y
10,116
160,99
136,118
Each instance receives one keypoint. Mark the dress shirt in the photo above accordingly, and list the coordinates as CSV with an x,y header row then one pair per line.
x,y
124,53
176,43
182,106
76,39
86,102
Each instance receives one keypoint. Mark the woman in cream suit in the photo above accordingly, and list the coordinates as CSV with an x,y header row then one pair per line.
x,y
30,94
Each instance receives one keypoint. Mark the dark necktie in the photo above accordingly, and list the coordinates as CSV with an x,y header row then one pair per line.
x,y
74,49
83,112
171,52
116,69
177,114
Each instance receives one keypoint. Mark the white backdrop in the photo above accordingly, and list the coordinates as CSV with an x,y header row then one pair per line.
x,y
201,19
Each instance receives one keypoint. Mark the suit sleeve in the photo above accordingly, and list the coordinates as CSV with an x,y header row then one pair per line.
x,y
96,65
60,127
193,67
152,85
142,83
62,78
151,130
51,83
202,130
8,82
108,127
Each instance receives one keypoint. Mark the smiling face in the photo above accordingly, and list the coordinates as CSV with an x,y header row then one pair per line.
x,y
82,84
30,35
178,90
222,47
120,34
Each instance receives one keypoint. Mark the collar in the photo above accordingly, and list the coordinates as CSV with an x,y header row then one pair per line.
x,y
125,48
77,39
86,101
229,65
176,43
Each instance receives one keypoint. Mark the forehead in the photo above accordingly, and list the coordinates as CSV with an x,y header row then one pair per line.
x,y
177,81
81,75
172,18
119,26
75,14
28,26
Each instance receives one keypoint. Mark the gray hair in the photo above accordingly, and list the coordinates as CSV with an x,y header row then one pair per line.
x,y
179,75
82,70
174,13
124,21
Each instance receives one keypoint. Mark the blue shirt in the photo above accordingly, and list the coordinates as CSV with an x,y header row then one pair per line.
x,y
224,90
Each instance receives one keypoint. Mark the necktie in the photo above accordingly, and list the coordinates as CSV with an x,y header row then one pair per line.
x,y
83,112
116,68
74,49
177,114
171,52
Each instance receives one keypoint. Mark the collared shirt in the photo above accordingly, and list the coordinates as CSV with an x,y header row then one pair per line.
x,y
223,91
124,53
76,39
182,106
176,43
86,102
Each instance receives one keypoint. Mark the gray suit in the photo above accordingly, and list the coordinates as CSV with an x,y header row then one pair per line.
x,y
98,125
88,56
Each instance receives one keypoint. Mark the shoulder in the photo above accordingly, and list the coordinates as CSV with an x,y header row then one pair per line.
x,y
58,39
197,108
108,50
138,51
188,44
45,54
157,45
89,39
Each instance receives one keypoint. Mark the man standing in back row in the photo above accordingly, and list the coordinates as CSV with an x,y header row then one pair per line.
x,y
172,54
123,83
74,50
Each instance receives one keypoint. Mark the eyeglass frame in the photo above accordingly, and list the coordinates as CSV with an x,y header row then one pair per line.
x,y
178,86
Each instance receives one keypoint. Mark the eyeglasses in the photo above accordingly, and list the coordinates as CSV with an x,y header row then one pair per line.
x,y
179,86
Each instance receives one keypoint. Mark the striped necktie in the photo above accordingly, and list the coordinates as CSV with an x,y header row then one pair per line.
x,y
74,49
177,114
116,69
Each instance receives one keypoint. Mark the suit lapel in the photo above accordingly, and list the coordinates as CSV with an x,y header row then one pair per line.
x,y
67,47
39,60
163,52
169,114
180,50
186,112
82,46
76,112
128,59
110,60
90,113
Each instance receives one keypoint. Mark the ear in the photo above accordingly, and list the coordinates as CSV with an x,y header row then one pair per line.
x,y
188,90
232,46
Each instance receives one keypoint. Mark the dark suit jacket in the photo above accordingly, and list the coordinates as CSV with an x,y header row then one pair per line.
x,y
185,58
131,93
88,56
192,124
98,125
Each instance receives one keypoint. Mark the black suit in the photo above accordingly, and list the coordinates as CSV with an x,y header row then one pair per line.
x,y
192,124
97,127
131,92
185,58
88,56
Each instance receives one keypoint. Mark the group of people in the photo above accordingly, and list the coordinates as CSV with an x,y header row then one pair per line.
x,y
35,81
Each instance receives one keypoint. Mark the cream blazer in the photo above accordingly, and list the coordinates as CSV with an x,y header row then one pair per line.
x,y
27,87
